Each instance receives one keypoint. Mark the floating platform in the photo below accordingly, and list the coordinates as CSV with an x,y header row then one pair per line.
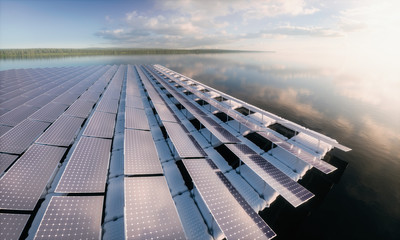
x,y
143,152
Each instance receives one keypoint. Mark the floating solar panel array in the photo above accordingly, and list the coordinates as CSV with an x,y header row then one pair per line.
x,y
111,152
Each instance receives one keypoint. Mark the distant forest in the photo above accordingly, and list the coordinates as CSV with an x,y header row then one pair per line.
x,y
60,52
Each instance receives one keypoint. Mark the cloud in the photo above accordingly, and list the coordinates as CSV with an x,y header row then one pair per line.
x,y
305,31
255,9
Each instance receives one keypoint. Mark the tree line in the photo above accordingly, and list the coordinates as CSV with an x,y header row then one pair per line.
x,y
59,52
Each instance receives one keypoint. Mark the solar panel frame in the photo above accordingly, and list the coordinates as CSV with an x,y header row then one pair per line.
x,y
72,217
62,132
136,119
234,221
183,143
86,170
101,124
145,216
140,153
300,153
19,138
23,184
12,225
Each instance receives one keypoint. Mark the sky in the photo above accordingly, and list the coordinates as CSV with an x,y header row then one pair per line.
x,y
269,25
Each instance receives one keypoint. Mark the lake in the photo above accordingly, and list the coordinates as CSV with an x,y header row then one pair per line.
x,y
354,102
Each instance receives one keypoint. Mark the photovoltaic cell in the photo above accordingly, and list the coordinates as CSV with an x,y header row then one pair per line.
x,y
12,225
136,119
62,132
246,207
292,191
22,185
4,129
80,108
235,221
108,105
146,215
134,102
17,115
49,113
40,101
101,124
183,144
18,139
90,96
5,161
15,102
87,169
140,153
72,217
165,113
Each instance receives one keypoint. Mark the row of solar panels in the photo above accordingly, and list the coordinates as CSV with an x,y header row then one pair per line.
x,y
231,212
289,189
24,183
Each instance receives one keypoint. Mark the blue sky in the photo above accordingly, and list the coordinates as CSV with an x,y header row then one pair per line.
x,y
290,25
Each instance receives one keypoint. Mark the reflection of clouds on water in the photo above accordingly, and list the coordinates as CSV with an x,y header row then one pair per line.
x,y
384,138
290,99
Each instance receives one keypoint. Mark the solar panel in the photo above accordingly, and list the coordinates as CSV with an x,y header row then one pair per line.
x,y
66,98
140,153
296,151
86,171
72,217
292,191
4,129
108,105
49,113
146,217
134,102
14,102
40,101
299,153
132,89
90,96
234,221
246,206
18,139
62,132
22,185
5,161
80,108
183,144
12,225
101,124
165,113
17,115
136,119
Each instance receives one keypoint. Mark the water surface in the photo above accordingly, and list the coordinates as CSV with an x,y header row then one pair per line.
x,y
356,104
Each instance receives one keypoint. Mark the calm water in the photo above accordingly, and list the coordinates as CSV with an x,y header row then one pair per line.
x,y
357,105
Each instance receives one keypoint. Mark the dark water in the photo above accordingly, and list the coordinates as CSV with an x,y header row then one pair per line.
x,y
357,105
